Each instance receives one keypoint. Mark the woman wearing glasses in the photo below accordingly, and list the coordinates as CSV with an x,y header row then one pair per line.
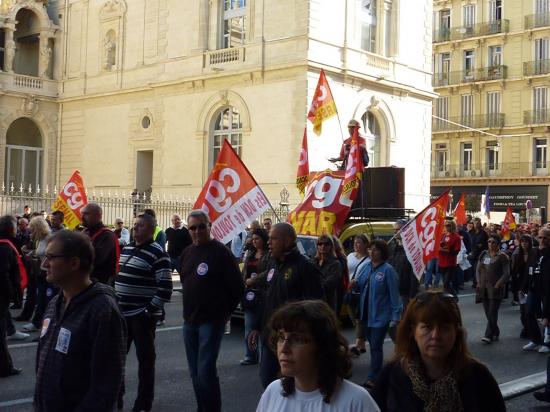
x,y
433,369
331,269
314,361
493,271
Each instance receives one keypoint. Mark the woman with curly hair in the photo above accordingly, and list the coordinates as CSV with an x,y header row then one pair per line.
x,y
433,370
315,363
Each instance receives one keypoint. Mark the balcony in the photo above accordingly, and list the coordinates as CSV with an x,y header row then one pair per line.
x,y
480,121
466,32
536,117
488,170
534,21
28,84
536,67
470,76
218,58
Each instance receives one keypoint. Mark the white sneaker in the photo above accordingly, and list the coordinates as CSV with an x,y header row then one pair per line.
x,y
531,346
544,349
28,327
18,336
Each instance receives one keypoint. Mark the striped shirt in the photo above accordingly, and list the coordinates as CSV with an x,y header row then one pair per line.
x,y
144,280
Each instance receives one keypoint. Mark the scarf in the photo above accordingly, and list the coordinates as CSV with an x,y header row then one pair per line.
x,y
438,396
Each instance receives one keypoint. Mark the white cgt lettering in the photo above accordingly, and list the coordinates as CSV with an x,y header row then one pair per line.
x,y
429,226
74,197
221,202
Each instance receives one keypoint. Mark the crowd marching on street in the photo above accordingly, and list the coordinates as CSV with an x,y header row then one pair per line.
x,y
93,292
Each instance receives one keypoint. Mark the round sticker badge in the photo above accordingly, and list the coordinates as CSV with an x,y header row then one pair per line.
x,y
270,275
250,296
379,277
202,269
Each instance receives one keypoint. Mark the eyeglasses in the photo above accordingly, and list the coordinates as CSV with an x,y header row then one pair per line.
x,y
293,339
323,244
426,296
491,241
201,226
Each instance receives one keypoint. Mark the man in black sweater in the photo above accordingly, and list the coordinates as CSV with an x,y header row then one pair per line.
x,y
289,277
82,348
212,287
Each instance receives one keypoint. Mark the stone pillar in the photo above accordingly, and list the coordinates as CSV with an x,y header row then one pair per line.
x,y
9,53
45,56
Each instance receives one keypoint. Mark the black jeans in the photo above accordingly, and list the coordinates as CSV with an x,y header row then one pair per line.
x,y
141,331
491,307
449,279
533,308
5,359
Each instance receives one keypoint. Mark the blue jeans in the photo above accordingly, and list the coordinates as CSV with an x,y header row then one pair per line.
x,y
202,346
250,320
432,273
376,336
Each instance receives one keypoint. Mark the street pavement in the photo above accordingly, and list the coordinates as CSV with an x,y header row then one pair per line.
x,y
241,389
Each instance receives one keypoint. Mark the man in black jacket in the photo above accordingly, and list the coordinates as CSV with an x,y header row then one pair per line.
x,y
212,287
9,278
82,348
478,238
289,277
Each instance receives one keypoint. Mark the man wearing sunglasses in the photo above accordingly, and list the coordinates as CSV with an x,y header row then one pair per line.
x,y
212,287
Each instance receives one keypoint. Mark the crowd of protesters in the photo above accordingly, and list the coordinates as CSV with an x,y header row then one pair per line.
x,y
94,292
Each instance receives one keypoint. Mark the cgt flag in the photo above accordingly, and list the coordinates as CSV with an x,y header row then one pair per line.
x,y
231,197
323,106
422,236
509,224
354,167
71,199
460,211
302,174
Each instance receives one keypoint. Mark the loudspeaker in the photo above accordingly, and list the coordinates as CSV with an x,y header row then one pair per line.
x,y
382,188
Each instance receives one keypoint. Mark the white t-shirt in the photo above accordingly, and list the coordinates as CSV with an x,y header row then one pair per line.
x,y
353,261
349,397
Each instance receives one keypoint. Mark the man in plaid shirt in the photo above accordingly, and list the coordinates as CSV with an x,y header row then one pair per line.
x,y
82,347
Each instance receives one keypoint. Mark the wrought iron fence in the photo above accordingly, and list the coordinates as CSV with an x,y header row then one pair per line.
x,y
120,205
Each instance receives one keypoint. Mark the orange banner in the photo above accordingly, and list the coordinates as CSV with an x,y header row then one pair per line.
x,y
509,224
323,106
71,199
354,167
460,211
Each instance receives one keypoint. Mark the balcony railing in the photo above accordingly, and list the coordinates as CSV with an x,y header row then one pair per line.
x,y
537,20
470,76
487,169
217,58
480,121
533,117
29,84
536,67
476,30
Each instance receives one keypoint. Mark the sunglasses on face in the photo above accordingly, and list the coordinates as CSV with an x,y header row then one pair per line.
x,y
426,296
201,226
323,244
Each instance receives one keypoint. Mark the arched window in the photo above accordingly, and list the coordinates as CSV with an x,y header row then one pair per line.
x,y
227,126
373,137
24,154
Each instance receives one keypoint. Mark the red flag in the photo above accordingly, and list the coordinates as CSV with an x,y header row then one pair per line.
x,y
231,197
71,200
303,166
509,224
323,210
460,211
354,167
422,236
323,106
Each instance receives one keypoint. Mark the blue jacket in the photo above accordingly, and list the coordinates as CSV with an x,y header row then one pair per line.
x,y
384,300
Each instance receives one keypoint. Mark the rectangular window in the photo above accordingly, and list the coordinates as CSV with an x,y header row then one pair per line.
x,y
469,16
467,110
235,25
495,10
541,56
467,156
492,157
468,63
495,56
540,155
445,19
368,20
442,112
441,158
541,13
493,109
444,69
540,104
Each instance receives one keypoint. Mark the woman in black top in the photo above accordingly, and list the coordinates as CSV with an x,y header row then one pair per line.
x,y
331,269
523,258
254,263
433,370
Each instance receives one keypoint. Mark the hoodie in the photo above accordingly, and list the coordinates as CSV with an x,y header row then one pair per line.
x,y
81,353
